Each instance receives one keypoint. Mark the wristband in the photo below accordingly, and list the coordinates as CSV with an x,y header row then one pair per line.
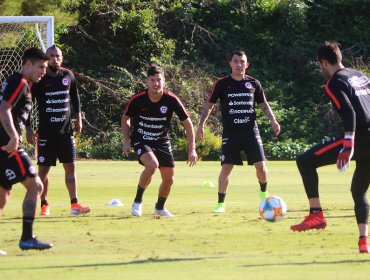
x,y
348,141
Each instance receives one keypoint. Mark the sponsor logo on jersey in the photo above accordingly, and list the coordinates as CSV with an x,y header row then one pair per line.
x,y
65,81
10,174
244,111
356,81
41,159
56,120
163,109
248,85
241,121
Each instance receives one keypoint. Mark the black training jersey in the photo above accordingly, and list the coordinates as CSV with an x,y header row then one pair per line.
x,y
16,91
349,92
150,121
238,99
54,96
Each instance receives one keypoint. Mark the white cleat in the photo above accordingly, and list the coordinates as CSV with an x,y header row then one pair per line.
x,y
137,209
162,213
3,253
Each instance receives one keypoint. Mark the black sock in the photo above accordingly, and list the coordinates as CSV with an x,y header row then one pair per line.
x,y
74,200
263,186
221,197
44,202
27,231
160,203
139,194
315,210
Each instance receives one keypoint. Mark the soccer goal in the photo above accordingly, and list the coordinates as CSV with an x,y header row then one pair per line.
x,y
18,33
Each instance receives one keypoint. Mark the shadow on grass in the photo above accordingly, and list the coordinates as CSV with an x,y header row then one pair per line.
x,y
149,260
306,263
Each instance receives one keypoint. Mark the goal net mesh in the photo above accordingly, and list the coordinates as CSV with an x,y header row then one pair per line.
x,y
15,37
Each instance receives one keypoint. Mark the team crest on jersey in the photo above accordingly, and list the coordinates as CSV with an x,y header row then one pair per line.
x,y
42,159
10,174
32,170
65,81
163,109
248,85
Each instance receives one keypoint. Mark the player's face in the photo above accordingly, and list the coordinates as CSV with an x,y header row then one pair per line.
x,y
35,70
323,67
155,83
56,59
238,64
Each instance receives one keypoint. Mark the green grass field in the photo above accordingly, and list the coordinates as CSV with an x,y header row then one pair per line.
x,y
196,244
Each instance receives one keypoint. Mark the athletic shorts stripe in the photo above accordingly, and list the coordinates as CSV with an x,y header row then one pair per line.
x,y
329,147
20,164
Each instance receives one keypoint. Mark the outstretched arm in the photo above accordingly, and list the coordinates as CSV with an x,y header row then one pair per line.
x,y
192,154
267,111
207,109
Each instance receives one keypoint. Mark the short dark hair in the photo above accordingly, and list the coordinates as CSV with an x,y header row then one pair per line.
x,y
53,47
154,69
330,51
238,53
33,54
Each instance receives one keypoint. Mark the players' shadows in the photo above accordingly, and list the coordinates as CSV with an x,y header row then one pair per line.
x,y
149,260
306,263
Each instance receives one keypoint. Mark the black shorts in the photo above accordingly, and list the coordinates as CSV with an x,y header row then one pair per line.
x,y
15,169
49,148
249,142
162,151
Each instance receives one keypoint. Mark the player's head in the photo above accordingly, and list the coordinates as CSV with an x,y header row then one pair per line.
x,y
155,79
34,63
238,63
56,58
328,55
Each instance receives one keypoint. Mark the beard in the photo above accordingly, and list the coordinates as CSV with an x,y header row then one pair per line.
x,y
53,68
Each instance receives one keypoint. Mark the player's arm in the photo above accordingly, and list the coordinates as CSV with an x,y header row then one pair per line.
x,y
207,109
7,122
267,111
125,126
76,103
192,154
348,116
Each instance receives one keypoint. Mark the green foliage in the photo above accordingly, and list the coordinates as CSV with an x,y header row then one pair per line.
x,y
285,150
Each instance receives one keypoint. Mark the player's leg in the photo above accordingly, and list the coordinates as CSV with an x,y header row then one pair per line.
x,y
28,241
359,187
66,152
43,173
262,175
167,175
322,154
150,162
4,198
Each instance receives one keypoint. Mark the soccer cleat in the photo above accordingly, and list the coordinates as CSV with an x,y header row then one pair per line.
x,y
137,209
3,253
34,244
364,245
220,208
263,195
162,213
45,210
312,221
77,209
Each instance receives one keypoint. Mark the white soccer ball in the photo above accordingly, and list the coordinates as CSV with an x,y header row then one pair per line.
x,y
273,209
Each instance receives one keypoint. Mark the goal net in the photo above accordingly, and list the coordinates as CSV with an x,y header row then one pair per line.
x,y
16,34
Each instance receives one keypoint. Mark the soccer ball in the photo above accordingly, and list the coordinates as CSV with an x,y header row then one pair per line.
x,y
272,209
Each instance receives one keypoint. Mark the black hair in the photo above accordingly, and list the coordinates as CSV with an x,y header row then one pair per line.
x,y
33,54
53,47
153,70
330,51
238,53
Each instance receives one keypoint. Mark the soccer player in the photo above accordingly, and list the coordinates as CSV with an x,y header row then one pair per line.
x,y
15,164
54,95
349,93
148,117
238,93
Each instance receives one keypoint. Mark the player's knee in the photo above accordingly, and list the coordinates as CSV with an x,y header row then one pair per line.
x,y
169,181
152,167
39,186
361,207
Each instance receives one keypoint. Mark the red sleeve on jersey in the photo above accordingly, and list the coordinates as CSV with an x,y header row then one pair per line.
x,y
128,109
180,110
215,93
17,91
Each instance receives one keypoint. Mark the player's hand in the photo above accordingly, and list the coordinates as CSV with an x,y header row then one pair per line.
x,y
126,148
345,155
30,135
275,127
78,125
192,158
12,146
200,133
